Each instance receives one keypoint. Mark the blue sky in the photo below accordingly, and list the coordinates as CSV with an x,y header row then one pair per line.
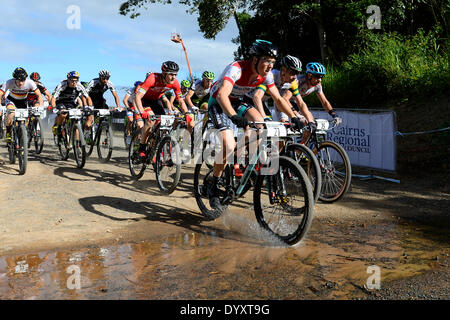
x,y
34,35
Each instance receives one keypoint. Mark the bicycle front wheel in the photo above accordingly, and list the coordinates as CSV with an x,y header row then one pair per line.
x,y
63,142
104,143
22,149
168,164
38,136
283,200
12,146
336,171
79,148
136,164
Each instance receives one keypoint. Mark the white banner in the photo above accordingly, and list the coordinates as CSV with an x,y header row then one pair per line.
x,y
369,139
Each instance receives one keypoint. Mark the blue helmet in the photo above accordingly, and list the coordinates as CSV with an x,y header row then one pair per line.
x,y
315,68
137,83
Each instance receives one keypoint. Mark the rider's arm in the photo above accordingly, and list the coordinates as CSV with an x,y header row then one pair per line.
x,y
138,101
116,97
39,96
257,100
223,98
167,103
324,101
280,101
48,95
183,105
301,105
125,101
89,101
188,98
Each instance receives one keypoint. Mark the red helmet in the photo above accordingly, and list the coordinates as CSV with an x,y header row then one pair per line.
x,y
35,76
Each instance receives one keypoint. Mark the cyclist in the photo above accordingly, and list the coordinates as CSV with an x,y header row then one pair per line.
x,y
96,88
148,98
128,101
311,82
200,91
285,81
225,104
32,98
184,85
67,95
18,87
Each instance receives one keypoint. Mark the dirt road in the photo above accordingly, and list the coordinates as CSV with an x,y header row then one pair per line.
x,y
163,248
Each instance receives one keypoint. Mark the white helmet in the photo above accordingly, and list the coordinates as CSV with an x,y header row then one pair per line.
x,y
292,63
104,74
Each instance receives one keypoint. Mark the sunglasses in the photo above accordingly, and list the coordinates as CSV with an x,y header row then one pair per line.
x,y
317,76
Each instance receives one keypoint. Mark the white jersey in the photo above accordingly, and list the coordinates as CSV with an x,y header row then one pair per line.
x,y
303,86
197,87
19,93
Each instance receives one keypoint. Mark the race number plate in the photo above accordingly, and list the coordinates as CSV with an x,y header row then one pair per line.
x,y
322,125
74,113
103,112
21,114
276,129
167,121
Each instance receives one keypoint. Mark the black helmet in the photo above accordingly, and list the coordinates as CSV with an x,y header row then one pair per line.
x,y
263,48
292,63
20,74
170,66
35,76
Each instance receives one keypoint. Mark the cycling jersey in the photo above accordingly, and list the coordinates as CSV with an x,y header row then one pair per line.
x,y
96,88
293,86
198,89
238,73
303,86
153,87
65,94
32,95
19,93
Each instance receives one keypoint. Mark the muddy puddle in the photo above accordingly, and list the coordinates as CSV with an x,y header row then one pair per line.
x,y
236,261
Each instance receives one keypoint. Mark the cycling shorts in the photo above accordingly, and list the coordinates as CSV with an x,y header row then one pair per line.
x,y
19,104
219,118
155,105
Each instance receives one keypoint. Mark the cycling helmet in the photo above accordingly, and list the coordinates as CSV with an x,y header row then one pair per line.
x,y
35,76
315,68
104,74
20,74
137,83
263,48
170,66
291,63
73,74
185,84
208,75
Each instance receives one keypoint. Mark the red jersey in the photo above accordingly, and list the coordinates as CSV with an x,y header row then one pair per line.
x,y
153,87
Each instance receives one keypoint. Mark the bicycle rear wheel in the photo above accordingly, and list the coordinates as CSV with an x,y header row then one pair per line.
x,y
22,149
336,171
283,201
308,161
78,144
104,143
168,164
38,136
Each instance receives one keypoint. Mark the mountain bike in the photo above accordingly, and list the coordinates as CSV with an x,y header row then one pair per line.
x,y
162,151
333,160
99,134
35,128
69,133
19,140
282,195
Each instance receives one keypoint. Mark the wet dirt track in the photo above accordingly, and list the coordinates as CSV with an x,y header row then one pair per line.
x,y
131,242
